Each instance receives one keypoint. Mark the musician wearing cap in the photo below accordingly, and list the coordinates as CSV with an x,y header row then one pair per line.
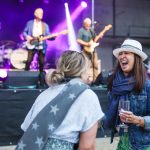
x,y
34,31
87,38
129,82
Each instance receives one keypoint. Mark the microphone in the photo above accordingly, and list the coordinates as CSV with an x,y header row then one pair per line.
x,y
95,23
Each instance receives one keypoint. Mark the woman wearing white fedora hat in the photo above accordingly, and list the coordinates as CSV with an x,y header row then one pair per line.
x,y
128,83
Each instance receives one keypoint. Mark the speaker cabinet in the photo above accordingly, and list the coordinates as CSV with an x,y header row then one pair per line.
x,y
21,79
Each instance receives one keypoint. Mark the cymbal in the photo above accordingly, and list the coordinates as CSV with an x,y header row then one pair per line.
x,y
8,44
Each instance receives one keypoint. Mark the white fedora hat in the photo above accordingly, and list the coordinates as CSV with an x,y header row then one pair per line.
x,y
130,45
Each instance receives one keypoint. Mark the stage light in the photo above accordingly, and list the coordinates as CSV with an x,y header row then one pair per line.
x,y
71,35
3,73
46,1
83,4
21,1
67,23
66,4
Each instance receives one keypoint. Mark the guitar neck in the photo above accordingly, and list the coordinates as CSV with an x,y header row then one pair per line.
x,y
48,37
100,35
63,32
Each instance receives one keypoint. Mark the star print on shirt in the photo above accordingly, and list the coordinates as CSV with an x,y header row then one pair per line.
x,y
39,141
35,126
72,96
54,109
51,127
21,145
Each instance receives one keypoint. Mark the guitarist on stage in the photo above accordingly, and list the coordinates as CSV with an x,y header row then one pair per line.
x,y
87,38
34,29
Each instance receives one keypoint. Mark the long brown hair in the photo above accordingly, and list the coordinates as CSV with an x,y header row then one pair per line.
x,y
138,72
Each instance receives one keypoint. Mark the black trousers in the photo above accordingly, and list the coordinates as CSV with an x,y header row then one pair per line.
x,y
31,54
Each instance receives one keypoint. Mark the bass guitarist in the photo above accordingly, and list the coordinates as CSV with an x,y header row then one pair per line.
x,y
87,38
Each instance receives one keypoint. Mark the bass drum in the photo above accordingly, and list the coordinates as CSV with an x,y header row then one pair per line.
x,y
18,58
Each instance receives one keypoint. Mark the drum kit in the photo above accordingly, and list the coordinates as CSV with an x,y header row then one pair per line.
x,y
12,55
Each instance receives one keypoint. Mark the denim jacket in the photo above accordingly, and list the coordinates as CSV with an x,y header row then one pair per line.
x,y
140,106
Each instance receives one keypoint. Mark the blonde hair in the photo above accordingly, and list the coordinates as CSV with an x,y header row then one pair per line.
x,y
38,10
71,64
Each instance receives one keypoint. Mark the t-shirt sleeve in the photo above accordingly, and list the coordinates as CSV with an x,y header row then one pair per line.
x,y
79,35
92,109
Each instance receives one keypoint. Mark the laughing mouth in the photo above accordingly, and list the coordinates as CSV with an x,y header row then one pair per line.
x,y
124,63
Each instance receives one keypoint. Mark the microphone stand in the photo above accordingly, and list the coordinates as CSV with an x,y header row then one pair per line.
x,y
93,57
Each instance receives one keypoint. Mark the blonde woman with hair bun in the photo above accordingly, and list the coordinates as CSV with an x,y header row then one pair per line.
x,y
80,124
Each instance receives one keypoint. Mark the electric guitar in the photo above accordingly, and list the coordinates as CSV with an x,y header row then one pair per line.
x,y
37,41
93,43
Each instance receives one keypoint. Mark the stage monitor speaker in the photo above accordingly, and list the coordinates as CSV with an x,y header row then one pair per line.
x,y
21,79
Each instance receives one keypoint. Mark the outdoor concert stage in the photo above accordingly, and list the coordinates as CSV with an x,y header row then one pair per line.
x,y
16,101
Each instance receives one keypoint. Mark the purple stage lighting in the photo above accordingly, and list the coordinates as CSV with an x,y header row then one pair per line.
x,y
21,1
46,1
83,4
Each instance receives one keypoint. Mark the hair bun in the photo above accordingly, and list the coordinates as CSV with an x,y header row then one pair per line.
x,y
54,76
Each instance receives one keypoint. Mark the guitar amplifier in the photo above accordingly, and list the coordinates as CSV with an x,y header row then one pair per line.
x,y
21,79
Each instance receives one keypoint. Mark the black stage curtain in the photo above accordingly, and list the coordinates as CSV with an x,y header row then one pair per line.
x,y
14,106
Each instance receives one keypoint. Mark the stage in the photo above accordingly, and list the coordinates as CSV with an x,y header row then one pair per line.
x,y
15,102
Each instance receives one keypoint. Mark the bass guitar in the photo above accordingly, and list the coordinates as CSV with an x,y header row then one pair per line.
x,y
37,41
93,43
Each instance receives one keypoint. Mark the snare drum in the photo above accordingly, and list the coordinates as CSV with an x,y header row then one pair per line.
x,y
18,58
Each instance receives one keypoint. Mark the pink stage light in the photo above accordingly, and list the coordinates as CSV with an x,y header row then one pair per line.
x,y
21,1
63,25
46,1
83,4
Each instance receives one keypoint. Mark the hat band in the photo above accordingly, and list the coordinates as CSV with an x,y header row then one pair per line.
x,y
129,46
